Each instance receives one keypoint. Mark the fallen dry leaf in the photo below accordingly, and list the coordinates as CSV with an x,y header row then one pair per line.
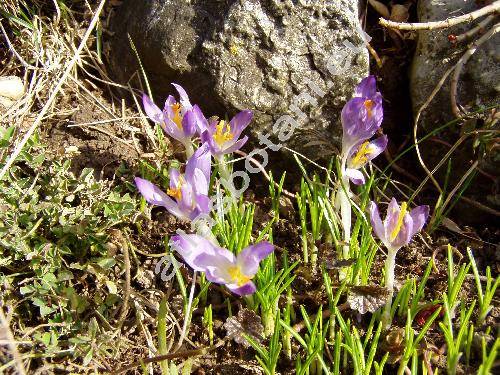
x,y
245,322
368,298
380,8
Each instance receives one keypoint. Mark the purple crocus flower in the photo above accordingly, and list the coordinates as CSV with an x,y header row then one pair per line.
x,y
399,225
362,115
395,231
220,265
178,119
223,137
360,155
187,196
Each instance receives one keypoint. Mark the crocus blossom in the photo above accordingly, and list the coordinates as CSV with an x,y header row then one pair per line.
x,y
399,225
223,137
179,119
187,196
395,231
362,115
220,265
362,154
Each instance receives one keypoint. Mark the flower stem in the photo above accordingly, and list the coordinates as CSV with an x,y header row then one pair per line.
x,y
225,175
204,230
189,149
345,208
390,264
345,213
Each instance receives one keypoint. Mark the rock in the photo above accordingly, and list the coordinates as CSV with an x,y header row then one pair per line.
x,y
478,86
11,90
248,54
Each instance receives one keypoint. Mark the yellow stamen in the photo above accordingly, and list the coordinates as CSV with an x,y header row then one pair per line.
x,y
177,115
399,224
369,105
222,136
361,156
176,192
237,276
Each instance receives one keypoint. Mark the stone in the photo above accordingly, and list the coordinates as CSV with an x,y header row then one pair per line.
x,y
11,90
262,55
435,54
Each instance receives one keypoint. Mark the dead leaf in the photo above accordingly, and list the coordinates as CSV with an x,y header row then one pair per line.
x,y
399,13
245,322
451,225
368,298
380,8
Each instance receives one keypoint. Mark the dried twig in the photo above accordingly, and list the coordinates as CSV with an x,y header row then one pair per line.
x,y
415,127
461,63
122,242
4,324
469,17
479,28
184,354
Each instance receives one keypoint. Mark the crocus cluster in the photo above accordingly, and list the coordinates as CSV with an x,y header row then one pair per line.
x,y
361,119
188,194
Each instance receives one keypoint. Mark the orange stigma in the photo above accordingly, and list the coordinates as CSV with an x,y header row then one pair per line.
x,y
369,105
176,108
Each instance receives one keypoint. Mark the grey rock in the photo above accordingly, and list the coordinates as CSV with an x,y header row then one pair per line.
x,y
478,85
248,54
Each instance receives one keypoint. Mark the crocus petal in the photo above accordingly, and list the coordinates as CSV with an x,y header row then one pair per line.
x,y
154,195
199,160
187,195
236,145
190,247
217,265
239,122
185,103
419,216
376,221
174,176
352,124
173,130
152,110
405,233
250,257
203,205
206,137
377,146
201,121
199,182
168,106
246,289
355,176
391,217
367,87
189,124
